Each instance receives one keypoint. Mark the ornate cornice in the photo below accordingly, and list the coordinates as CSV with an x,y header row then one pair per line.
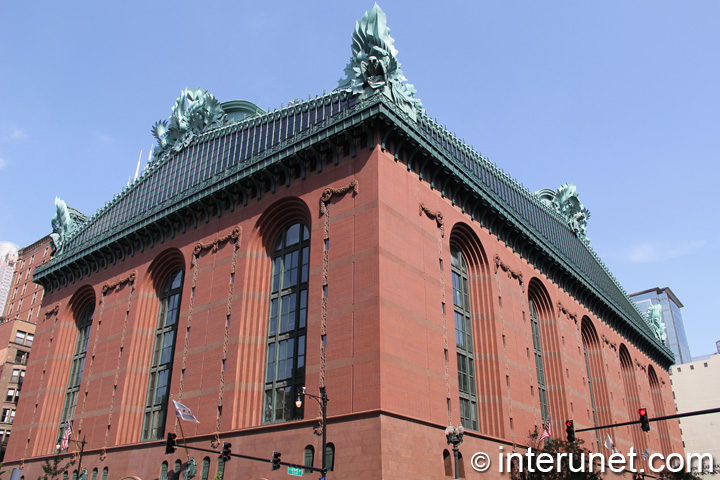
x,y
460,174
330,192
434,215
111,286
510,272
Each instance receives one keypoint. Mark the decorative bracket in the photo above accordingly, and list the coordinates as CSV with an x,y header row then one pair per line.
x,y
609,343
564,310
510,272
214,245
434,215
110,286
641,366
53,311
330,192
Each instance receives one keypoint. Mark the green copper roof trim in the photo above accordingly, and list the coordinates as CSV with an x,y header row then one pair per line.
x,y
423,133
213,134
629,311
301,141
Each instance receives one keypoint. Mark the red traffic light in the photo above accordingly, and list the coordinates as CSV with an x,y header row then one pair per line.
x,y
642,412
568,423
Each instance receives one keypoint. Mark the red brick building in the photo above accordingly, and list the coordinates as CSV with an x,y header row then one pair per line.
x,y
17,331
346,242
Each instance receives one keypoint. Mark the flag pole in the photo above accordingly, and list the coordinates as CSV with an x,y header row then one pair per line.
x,y
182,434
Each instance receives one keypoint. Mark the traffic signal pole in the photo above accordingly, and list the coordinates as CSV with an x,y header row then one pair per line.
x,y
257,459
655,419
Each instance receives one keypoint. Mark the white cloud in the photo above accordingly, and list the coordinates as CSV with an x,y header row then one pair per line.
x,y
3,163
651,252
17,134
103,137
13,134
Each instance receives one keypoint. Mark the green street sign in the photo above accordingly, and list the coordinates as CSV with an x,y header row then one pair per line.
x,y
295,471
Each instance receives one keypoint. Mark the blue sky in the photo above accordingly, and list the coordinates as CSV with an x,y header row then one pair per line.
x,y
620,98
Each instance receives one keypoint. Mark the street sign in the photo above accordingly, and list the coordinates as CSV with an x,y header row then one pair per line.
x,y
295,471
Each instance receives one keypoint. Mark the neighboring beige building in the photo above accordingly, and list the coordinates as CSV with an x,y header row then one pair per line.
x,y
696,386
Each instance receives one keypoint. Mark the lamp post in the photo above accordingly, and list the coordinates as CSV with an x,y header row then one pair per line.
x,y
455,437
82,448
322,401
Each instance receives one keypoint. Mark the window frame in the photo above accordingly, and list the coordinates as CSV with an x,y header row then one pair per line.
x,y
464,341
287,329
539,363
77,367
163,356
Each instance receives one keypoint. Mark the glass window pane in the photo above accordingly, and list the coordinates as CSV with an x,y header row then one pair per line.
x,y
293,235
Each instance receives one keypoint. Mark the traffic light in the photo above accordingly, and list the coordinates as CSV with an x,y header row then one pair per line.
x,y
644,421
225,455
570,430
276,460
170,443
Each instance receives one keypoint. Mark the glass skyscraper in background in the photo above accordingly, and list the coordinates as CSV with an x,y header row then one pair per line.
x,y
671,317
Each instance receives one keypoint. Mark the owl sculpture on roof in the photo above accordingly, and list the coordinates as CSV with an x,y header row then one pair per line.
x,y
374,67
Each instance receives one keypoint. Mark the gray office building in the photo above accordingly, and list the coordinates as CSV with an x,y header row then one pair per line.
x,y
671,317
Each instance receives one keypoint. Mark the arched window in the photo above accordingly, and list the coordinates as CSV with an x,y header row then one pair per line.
x,y
632,396
597,385
330,457
220,468
84,325
285,367
65,475
205,469
447,463
178,467
105,473
74,475
162,358
539,367
309,457
659,410
95,472
163,471
464,340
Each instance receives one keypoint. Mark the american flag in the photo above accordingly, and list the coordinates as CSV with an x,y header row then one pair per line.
x,y
66,437
546,431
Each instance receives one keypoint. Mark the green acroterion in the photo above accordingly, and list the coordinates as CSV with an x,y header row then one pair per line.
x,y
566,202
66,221
653,317
195,111
374,67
